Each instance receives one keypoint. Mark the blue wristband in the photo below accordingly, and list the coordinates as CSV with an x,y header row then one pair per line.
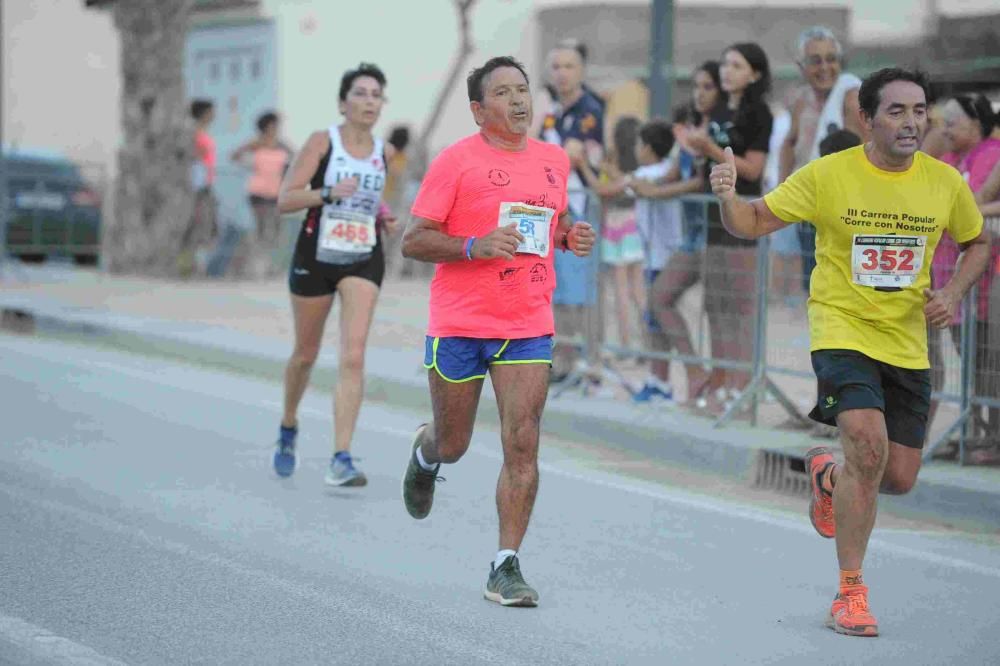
x,y
468,247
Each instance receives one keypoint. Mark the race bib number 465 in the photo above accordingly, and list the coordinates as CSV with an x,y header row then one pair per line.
x,y
887,261
532,222
345,231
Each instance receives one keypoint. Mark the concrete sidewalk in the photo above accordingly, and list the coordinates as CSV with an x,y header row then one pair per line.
x,y
247,327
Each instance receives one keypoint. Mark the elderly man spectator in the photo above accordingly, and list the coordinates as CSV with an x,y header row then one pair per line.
x,y
829,102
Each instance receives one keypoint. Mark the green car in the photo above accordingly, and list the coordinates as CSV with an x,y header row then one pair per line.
x,y
51,209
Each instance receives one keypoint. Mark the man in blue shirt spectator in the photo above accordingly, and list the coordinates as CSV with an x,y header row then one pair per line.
x,y
576,113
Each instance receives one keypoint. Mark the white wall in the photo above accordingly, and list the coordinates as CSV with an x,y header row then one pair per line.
x,y
61,78
411,40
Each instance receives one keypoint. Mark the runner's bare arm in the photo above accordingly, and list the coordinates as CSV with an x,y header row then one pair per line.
x,y
743,219
295,193
943,303
424,241
577,237
972,263
562,229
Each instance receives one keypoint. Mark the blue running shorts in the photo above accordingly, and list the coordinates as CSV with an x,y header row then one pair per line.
x,y
461,359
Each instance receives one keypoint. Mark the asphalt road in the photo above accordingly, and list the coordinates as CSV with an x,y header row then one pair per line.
x,y
141,524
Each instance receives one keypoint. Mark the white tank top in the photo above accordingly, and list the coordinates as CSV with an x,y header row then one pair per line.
x,y
370,173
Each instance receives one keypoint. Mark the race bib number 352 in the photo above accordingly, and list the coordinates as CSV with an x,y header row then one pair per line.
x,y
344,231
887,261
532,222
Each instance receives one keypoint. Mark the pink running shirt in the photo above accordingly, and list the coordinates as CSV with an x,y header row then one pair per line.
x,y
463,190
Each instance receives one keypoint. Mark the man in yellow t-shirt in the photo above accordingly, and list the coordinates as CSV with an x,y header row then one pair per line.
x,y
879,211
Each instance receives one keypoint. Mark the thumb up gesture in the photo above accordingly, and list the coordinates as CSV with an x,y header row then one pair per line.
x,y
723,177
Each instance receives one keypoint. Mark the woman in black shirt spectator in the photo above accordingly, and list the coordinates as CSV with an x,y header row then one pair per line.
x,y
743,123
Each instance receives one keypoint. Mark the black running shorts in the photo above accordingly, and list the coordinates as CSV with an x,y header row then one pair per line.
x,y
312,278
848,379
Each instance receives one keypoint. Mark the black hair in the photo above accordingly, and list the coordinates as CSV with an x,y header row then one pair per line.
x,y
363,69
979,109
625,134
838,140
870,94
399,137
266,119
710,67
757,60
200,107
479,74
658,134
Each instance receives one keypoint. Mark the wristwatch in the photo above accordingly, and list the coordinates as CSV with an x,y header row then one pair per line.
x,y
324,194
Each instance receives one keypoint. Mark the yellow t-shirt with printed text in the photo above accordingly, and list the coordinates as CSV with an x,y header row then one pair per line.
x,y
876,232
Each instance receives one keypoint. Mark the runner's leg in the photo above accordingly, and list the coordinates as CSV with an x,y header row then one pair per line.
x,y
357,301
454,404
521,391
310,315
866,453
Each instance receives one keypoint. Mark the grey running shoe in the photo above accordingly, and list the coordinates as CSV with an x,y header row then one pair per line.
x,y
506,585
418,483
343,473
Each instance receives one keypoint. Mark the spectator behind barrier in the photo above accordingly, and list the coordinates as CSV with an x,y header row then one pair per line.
x,y
577,113
683,269
621,244
967,128
827,103
744,124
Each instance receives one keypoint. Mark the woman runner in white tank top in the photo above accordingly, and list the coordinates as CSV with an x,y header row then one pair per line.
x,y
338,178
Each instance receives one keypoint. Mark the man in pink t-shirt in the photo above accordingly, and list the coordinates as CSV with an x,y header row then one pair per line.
x,y
490,213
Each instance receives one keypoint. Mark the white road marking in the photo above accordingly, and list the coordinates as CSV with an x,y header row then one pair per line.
x,y
43,644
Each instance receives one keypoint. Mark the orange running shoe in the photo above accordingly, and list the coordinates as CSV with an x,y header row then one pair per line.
x,y
849,613
821,505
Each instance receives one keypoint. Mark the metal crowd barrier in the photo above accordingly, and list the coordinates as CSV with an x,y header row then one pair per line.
x,y
775,348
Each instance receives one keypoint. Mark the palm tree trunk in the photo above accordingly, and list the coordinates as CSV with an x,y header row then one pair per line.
x,y
154,198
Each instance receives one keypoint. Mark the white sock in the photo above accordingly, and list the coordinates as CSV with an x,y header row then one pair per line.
x,y
423,463
501,556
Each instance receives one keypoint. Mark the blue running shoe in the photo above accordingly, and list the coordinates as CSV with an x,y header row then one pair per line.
x,y
342,472
651,392
284,453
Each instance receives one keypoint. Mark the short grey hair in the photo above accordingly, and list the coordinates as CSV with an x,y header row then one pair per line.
x,y
817,33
